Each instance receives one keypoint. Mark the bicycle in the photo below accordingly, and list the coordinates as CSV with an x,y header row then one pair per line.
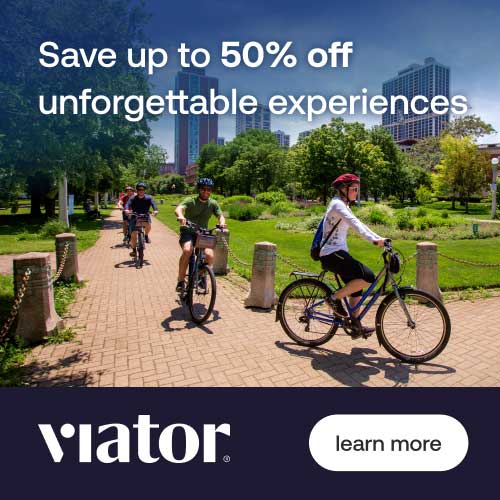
x,y
202,289
139,225
304,312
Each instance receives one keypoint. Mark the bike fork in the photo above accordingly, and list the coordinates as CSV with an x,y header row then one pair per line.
x,y
402,303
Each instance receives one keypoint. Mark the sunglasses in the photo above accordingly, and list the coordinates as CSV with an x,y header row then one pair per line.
x,y
354,188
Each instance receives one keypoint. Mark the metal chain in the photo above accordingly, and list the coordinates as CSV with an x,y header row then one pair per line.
x,y
461,261
62,263
17,303
290,263
407,259
242,262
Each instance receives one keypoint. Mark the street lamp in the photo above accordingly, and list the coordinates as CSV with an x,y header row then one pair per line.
x,y
494,163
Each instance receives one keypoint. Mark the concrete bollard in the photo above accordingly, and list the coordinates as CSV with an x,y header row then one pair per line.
x,y
221,252
427,269
70,271
37,316
262,292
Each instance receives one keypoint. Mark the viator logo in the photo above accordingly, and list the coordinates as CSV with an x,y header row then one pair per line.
x,y
188,442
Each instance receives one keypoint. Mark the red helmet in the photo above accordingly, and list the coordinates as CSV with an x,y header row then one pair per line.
x,y
345,179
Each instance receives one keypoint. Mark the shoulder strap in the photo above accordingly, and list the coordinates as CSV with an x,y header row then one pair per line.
x,y
330,233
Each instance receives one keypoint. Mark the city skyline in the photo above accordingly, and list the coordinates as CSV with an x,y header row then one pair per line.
x,y
384,42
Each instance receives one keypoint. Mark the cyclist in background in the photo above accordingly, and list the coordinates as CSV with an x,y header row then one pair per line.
x,y
122,202
334,254
197,209
140,204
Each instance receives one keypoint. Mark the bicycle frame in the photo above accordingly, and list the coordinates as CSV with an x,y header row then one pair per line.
x,y
329,319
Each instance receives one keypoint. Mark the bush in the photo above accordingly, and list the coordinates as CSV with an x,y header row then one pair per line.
x,y
423,195
421,212
245,211
404,220
239,199
445,215
312,223
282,207
51,228
271,197
376,214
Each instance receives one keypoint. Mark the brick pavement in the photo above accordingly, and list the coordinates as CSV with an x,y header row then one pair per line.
x,y
132,332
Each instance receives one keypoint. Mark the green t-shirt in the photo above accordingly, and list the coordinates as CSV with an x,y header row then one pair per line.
x,y
200,212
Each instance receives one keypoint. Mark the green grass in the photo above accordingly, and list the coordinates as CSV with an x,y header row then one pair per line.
x,y
19,233
13,351
295,246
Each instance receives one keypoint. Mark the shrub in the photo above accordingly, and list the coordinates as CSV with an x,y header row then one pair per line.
x,y
51,228
271,197
423,195
238,199
376,214
284,226
245,211
445,215
14,208
312,223
421,212
404,220
282,207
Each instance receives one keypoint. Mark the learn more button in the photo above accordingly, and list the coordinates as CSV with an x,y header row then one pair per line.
x,y
388,442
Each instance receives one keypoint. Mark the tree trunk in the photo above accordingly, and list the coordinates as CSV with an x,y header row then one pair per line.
x,y
453,203
36,201
324,194
50,206
467,204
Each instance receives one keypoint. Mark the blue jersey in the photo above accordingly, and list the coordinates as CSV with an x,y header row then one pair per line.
x,y
141,205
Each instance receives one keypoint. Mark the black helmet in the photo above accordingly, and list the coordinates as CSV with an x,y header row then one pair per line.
x,y
140,185
205,181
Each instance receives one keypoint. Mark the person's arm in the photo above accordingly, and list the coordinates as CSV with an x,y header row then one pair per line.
x,y
218,213
179,212
128,206
155,208
362,229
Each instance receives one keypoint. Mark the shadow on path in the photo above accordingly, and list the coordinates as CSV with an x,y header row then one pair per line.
x,y
181,313
355,368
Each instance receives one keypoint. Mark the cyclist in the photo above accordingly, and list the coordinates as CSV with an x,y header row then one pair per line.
x,y
334,254
122,202
197,209
140,204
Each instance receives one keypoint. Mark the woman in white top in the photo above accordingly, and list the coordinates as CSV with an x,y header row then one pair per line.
x,y
335,255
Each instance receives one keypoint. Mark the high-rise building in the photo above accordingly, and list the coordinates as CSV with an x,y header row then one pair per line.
x,y
192,132
304,134
221,141
283,139
260,119
429,80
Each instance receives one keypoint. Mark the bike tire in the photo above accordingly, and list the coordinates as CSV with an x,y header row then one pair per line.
x,y
417,301
140,250
285,303
201,311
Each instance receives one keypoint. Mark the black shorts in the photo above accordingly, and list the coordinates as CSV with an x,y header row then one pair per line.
x,y
187,236
348,268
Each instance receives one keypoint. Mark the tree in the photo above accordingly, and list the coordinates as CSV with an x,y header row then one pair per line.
x,y
463,169
334,149
426,153
469,125
88,148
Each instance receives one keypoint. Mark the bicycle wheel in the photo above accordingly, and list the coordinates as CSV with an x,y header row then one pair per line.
x,y
202,290
416,339
140,249
304,313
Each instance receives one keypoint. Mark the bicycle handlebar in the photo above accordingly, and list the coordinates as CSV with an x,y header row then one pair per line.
x,y
197,227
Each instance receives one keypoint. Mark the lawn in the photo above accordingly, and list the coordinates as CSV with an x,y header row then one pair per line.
x,y
19,233
295,246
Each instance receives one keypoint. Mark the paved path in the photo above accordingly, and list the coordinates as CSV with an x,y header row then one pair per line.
x,y
238,347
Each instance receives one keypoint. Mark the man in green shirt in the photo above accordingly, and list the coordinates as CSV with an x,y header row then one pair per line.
x,y
197,209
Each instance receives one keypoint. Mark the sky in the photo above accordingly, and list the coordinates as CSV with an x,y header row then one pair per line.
x,y
387,36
